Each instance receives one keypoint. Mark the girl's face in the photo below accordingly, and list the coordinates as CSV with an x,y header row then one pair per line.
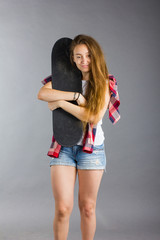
x,y
81,57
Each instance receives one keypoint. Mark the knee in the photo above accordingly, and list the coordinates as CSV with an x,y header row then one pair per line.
x,y
63,210
87,208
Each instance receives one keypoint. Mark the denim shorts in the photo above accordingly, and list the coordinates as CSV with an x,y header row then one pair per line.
x,y
74,156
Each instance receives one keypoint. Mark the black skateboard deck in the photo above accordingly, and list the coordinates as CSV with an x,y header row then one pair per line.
x,y
67,129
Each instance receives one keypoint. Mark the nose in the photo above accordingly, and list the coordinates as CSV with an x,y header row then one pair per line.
x,y
84,59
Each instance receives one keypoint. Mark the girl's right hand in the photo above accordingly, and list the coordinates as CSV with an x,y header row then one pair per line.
x,y
81,100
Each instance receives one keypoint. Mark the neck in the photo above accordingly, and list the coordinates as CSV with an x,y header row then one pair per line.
x,y
85,76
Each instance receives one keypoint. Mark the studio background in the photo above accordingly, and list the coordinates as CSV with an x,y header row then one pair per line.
x,y
128,200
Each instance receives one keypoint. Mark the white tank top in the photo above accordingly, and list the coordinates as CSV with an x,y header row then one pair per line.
x,y
99,138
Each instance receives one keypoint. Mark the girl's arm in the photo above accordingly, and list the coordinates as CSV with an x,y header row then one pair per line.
x,y
80,112
77,111
47,94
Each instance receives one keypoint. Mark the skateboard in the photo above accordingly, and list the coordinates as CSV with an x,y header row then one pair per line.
x,y
67,129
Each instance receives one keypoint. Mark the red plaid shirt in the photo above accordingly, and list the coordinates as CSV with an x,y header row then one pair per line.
x,y
88,140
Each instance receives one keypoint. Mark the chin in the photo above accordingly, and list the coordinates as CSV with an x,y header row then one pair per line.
x,y
85,70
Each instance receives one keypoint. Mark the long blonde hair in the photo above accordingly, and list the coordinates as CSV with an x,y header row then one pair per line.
x,y
96,89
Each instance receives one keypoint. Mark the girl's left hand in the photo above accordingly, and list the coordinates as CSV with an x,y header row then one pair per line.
x,y
53,105
81,100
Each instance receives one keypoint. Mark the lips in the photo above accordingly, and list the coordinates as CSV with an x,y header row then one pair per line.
x,y
85,66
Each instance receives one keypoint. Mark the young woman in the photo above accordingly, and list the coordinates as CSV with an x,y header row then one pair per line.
x,y
92,105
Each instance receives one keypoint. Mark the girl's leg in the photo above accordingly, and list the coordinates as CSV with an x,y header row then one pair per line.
x,y
63,180
89,182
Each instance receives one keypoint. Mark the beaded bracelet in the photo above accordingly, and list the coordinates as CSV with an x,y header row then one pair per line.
x,y
75,95
78,96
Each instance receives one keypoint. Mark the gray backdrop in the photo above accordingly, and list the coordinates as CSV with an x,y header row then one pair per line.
x,y
128,200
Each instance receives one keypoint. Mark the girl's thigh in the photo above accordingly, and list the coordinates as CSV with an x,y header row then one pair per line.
x,y
63,181
89,183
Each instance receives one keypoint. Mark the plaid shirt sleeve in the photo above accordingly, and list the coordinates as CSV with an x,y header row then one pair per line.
x,y
114,114
88,141
46,80
55,147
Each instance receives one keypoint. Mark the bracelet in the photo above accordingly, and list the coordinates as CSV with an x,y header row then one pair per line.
x,y
74,96
78,96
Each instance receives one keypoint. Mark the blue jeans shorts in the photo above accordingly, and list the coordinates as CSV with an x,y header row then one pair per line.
x,y
74,156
